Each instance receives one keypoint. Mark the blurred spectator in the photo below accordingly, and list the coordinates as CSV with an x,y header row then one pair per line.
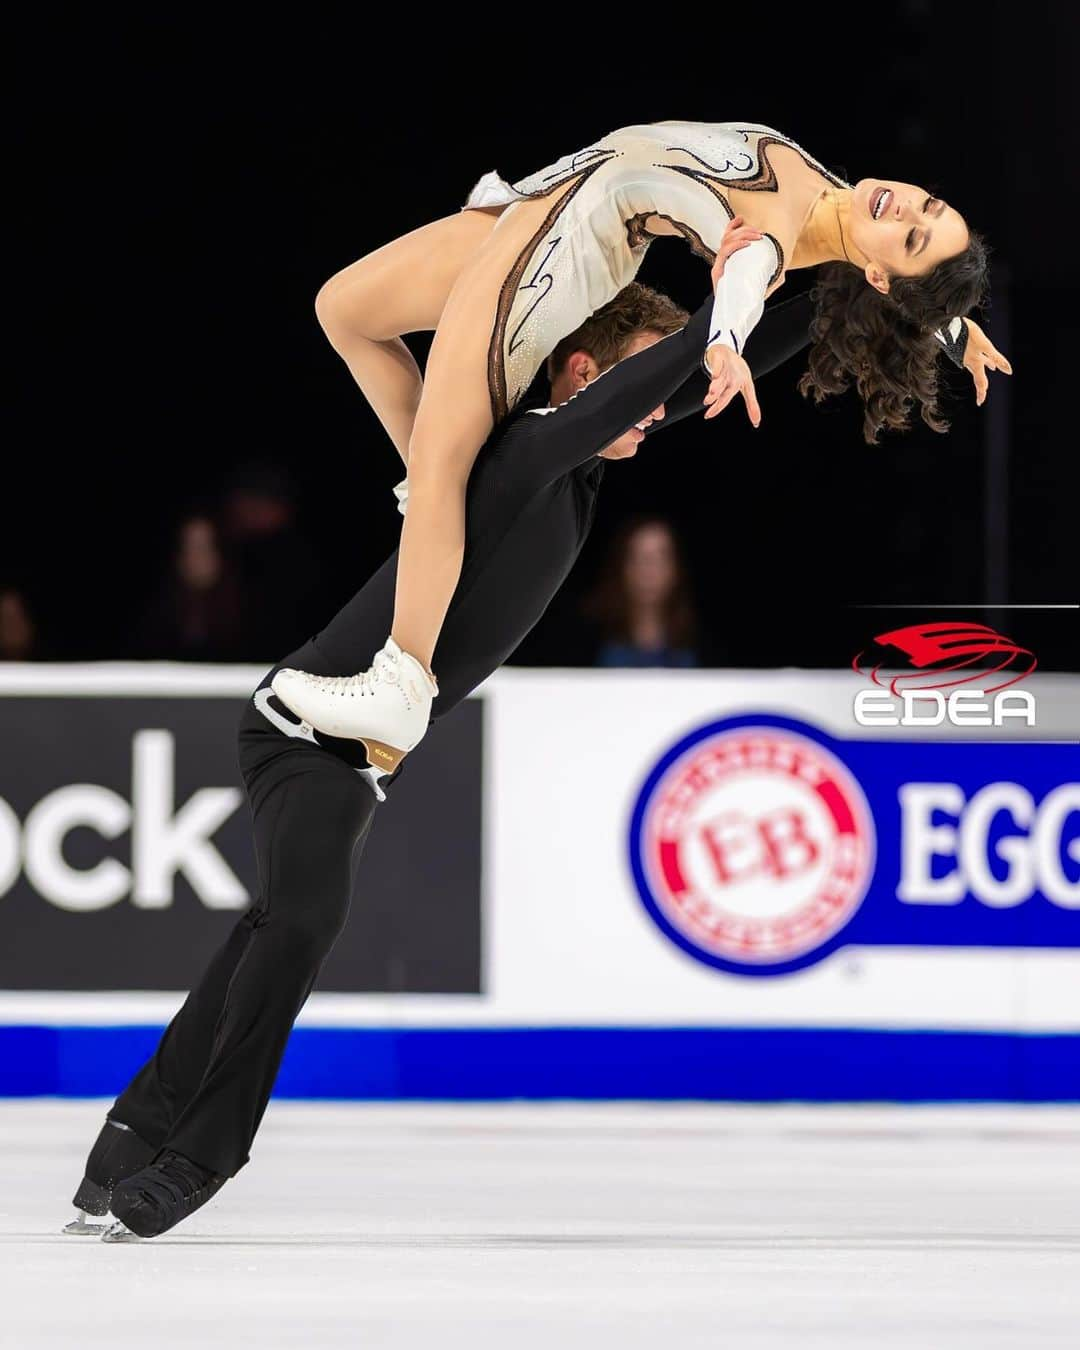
x,y
641,603
18,633
199,612
274,561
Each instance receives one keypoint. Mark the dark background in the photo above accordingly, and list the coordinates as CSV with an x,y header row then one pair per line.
x,y
185,183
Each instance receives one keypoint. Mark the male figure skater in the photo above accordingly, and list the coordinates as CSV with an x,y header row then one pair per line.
x,y
185,1123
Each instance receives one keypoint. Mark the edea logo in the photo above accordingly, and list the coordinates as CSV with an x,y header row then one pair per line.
x,y
925,676
752,847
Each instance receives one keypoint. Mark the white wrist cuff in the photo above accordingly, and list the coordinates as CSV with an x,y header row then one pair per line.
x,y
401,492
740,294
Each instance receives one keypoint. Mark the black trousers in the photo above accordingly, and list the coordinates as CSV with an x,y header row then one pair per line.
x,y
205,1090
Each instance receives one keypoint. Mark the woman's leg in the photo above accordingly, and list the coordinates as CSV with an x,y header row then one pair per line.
x,y
400,288
452,422
388,708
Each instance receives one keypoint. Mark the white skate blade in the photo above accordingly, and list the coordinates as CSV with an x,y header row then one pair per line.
x,y
119,1232
81,1227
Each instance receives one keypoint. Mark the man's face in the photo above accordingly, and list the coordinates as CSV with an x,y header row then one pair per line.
x,y
626,446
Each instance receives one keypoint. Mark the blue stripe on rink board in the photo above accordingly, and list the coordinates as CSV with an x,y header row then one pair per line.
x,y
588,1063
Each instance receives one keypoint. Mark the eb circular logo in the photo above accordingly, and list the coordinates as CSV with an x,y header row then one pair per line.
x,y
752,846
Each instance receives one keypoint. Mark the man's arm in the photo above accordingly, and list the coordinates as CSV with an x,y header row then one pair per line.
x,y
544,444
783,331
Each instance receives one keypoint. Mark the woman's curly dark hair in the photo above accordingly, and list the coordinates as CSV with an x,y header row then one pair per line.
x,y
885,344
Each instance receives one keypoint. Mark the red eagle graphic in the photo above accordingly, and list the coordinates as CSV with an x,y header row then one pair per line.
x,y
937,649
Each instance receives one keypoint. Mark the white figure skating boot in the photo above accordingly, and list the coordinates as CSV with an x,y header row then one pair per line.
x,y
387,707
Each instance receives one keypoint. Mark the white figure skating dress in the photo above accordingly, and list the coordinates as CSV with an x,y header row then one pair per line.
x,y
596,235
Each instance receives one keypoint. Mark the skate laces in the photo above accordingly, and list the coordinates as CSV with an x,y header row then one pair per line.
x,y
173,1179
384,670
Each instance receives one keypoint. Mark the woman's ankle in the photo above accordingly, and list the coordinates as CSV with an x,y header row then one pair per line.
x,y
413,651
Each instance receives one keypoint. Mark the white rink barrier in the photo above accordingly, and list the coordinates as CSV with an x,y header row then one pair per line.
x,y
676,884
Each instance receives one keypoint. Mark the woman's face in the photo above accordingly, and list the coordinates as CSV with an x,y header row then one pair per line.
x,y
650,565
16,629
198,560
903,230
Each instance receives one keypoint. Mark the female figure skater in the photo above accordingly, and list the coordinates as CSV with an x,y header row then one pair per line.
x,y
522,266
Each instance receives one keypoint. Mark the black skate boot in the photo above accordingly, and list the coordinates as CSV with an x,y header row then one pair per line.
x,y
158,1197
118,1152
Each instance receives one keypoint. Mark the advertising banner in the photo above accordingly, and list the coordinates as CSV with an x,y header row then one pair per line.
x,y
737,849
713,884
126,854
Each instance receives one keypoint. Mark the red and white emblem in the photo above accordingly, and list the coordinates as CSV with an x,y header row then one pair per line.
x,y
758,844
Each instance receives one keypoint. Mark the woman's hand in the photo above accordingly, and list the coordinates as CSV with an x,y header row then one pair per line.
x,y
730,373
730,376
980,355
737,235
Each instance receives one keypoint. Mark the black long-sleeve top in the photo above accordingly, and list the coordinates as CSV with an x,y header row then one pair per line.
x,y
530,505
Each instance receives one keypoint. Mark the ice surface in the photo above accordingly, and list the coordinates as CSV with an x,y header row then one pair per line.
x,y
564,1226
